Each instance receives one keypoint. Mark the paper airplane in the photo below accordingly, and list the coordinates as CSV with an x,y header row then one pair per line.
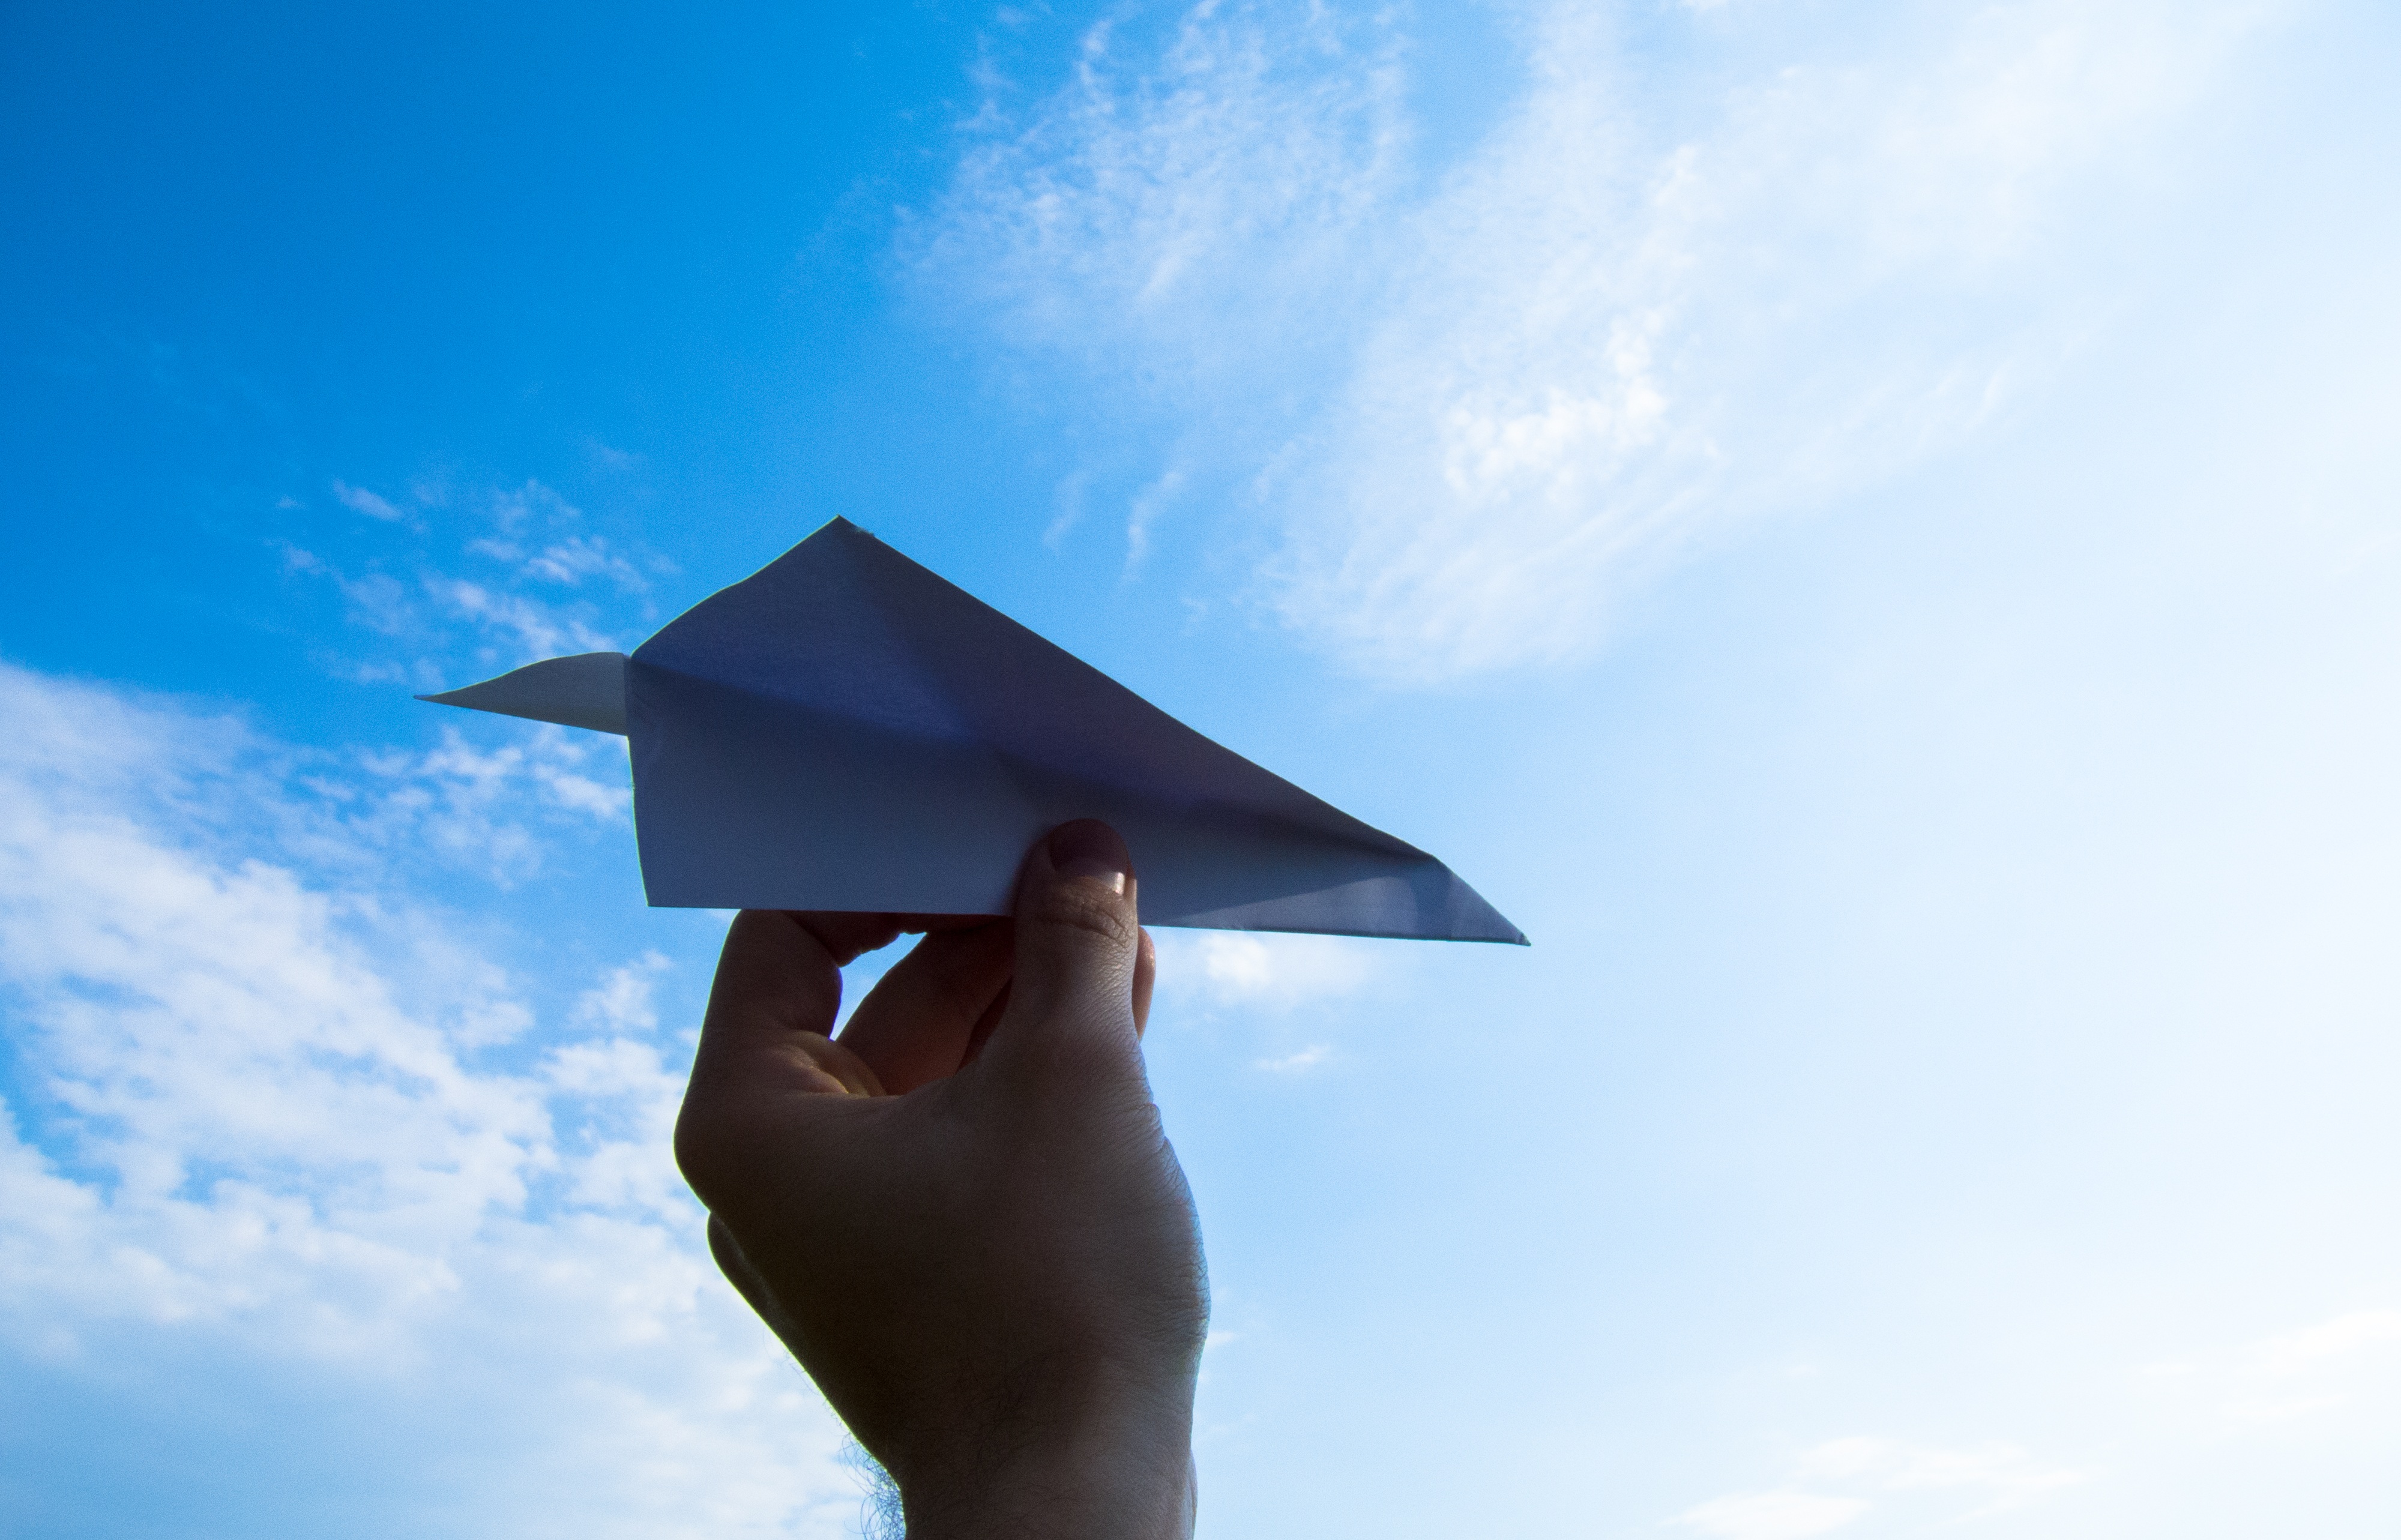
x,y
843,730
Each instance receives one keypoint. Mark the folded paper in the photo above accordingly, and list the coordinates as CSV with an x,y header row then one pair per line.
x,y
845,730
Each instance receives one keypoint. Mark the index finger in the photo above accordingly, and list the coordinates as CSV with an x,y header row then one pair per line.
x,y
764,1041
780,973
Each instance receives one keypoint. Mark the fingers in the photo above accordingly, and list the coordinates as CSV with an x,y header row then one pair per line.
x,y
1146,973
775,976
933,1012
780,972
1072,995
917,1023
778,985
778,980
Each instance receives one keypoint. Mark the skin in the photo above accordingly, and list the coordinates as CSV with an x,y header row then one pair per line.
x,y
962,1216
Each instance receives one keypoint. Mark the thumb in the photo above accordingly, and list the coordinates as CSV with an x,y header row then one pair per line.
x,y
1071,998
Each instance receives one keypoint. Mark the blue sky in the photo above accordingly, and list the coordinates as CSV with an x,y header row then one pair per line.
x,y
1873,533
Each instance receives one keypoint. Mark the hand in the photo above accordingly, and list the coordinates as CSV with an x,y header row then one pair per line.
x,y
964,1217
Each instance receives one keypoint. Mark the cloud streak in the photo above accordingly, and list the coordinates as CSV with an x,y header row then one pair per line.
x,y
1862,1471
532,583
1271,972
358,499
1474,406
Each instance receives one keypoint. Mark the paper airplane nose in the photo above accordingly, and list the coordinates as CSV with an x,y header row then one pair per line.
x,y
587,690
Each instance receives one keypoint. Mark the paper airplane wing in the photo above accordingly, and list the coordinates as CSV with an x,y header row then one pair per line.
x,y
845,730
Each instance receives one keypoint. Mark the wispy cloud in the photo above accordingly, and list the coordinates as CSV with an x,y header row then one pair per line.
x,y
581,557
620,1001
556,554
269,1107
472,806
498,591
1168,210
2345,1340
534,628
2346,1364
1835,1483
534,504
1772,1515
2001,1475
1608,333
1298,1063
360,500
1265,971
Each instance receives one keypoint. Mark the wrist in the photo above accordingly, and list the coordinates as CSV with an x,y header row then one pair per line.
x,y
1115,1473
1072,1500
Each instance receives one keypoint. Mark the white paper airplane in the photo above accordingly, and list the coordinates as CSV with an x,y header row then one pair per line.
x,y
845,730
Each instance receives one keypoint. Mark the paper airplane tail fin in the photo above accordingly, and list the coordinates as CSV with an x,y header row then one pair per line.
x,y
586,691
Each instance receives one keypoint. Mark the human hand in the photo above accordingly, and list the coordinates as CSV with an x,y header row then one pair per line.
x,y
964,1217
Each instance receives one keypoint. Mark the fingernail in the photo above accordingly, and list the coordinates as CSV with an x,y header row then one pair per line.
x,y
1089,848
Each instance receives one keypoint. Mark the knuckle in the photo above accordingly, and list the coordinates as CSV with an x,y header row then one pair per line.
x,y
713,1143
1084,911
696,1154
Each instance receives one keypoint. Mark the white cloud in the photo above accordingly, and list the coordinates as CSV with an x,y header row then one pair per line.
x,y
536,629
1298,1063
1132,214
378,601
1991,1477
1147,505
360,500
2003,1474
470,807
580,556
257,1109
532,503
1595,340
2348,1364
567,561
499,606
622,1002
2344,1339
1264,970
1772,1515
